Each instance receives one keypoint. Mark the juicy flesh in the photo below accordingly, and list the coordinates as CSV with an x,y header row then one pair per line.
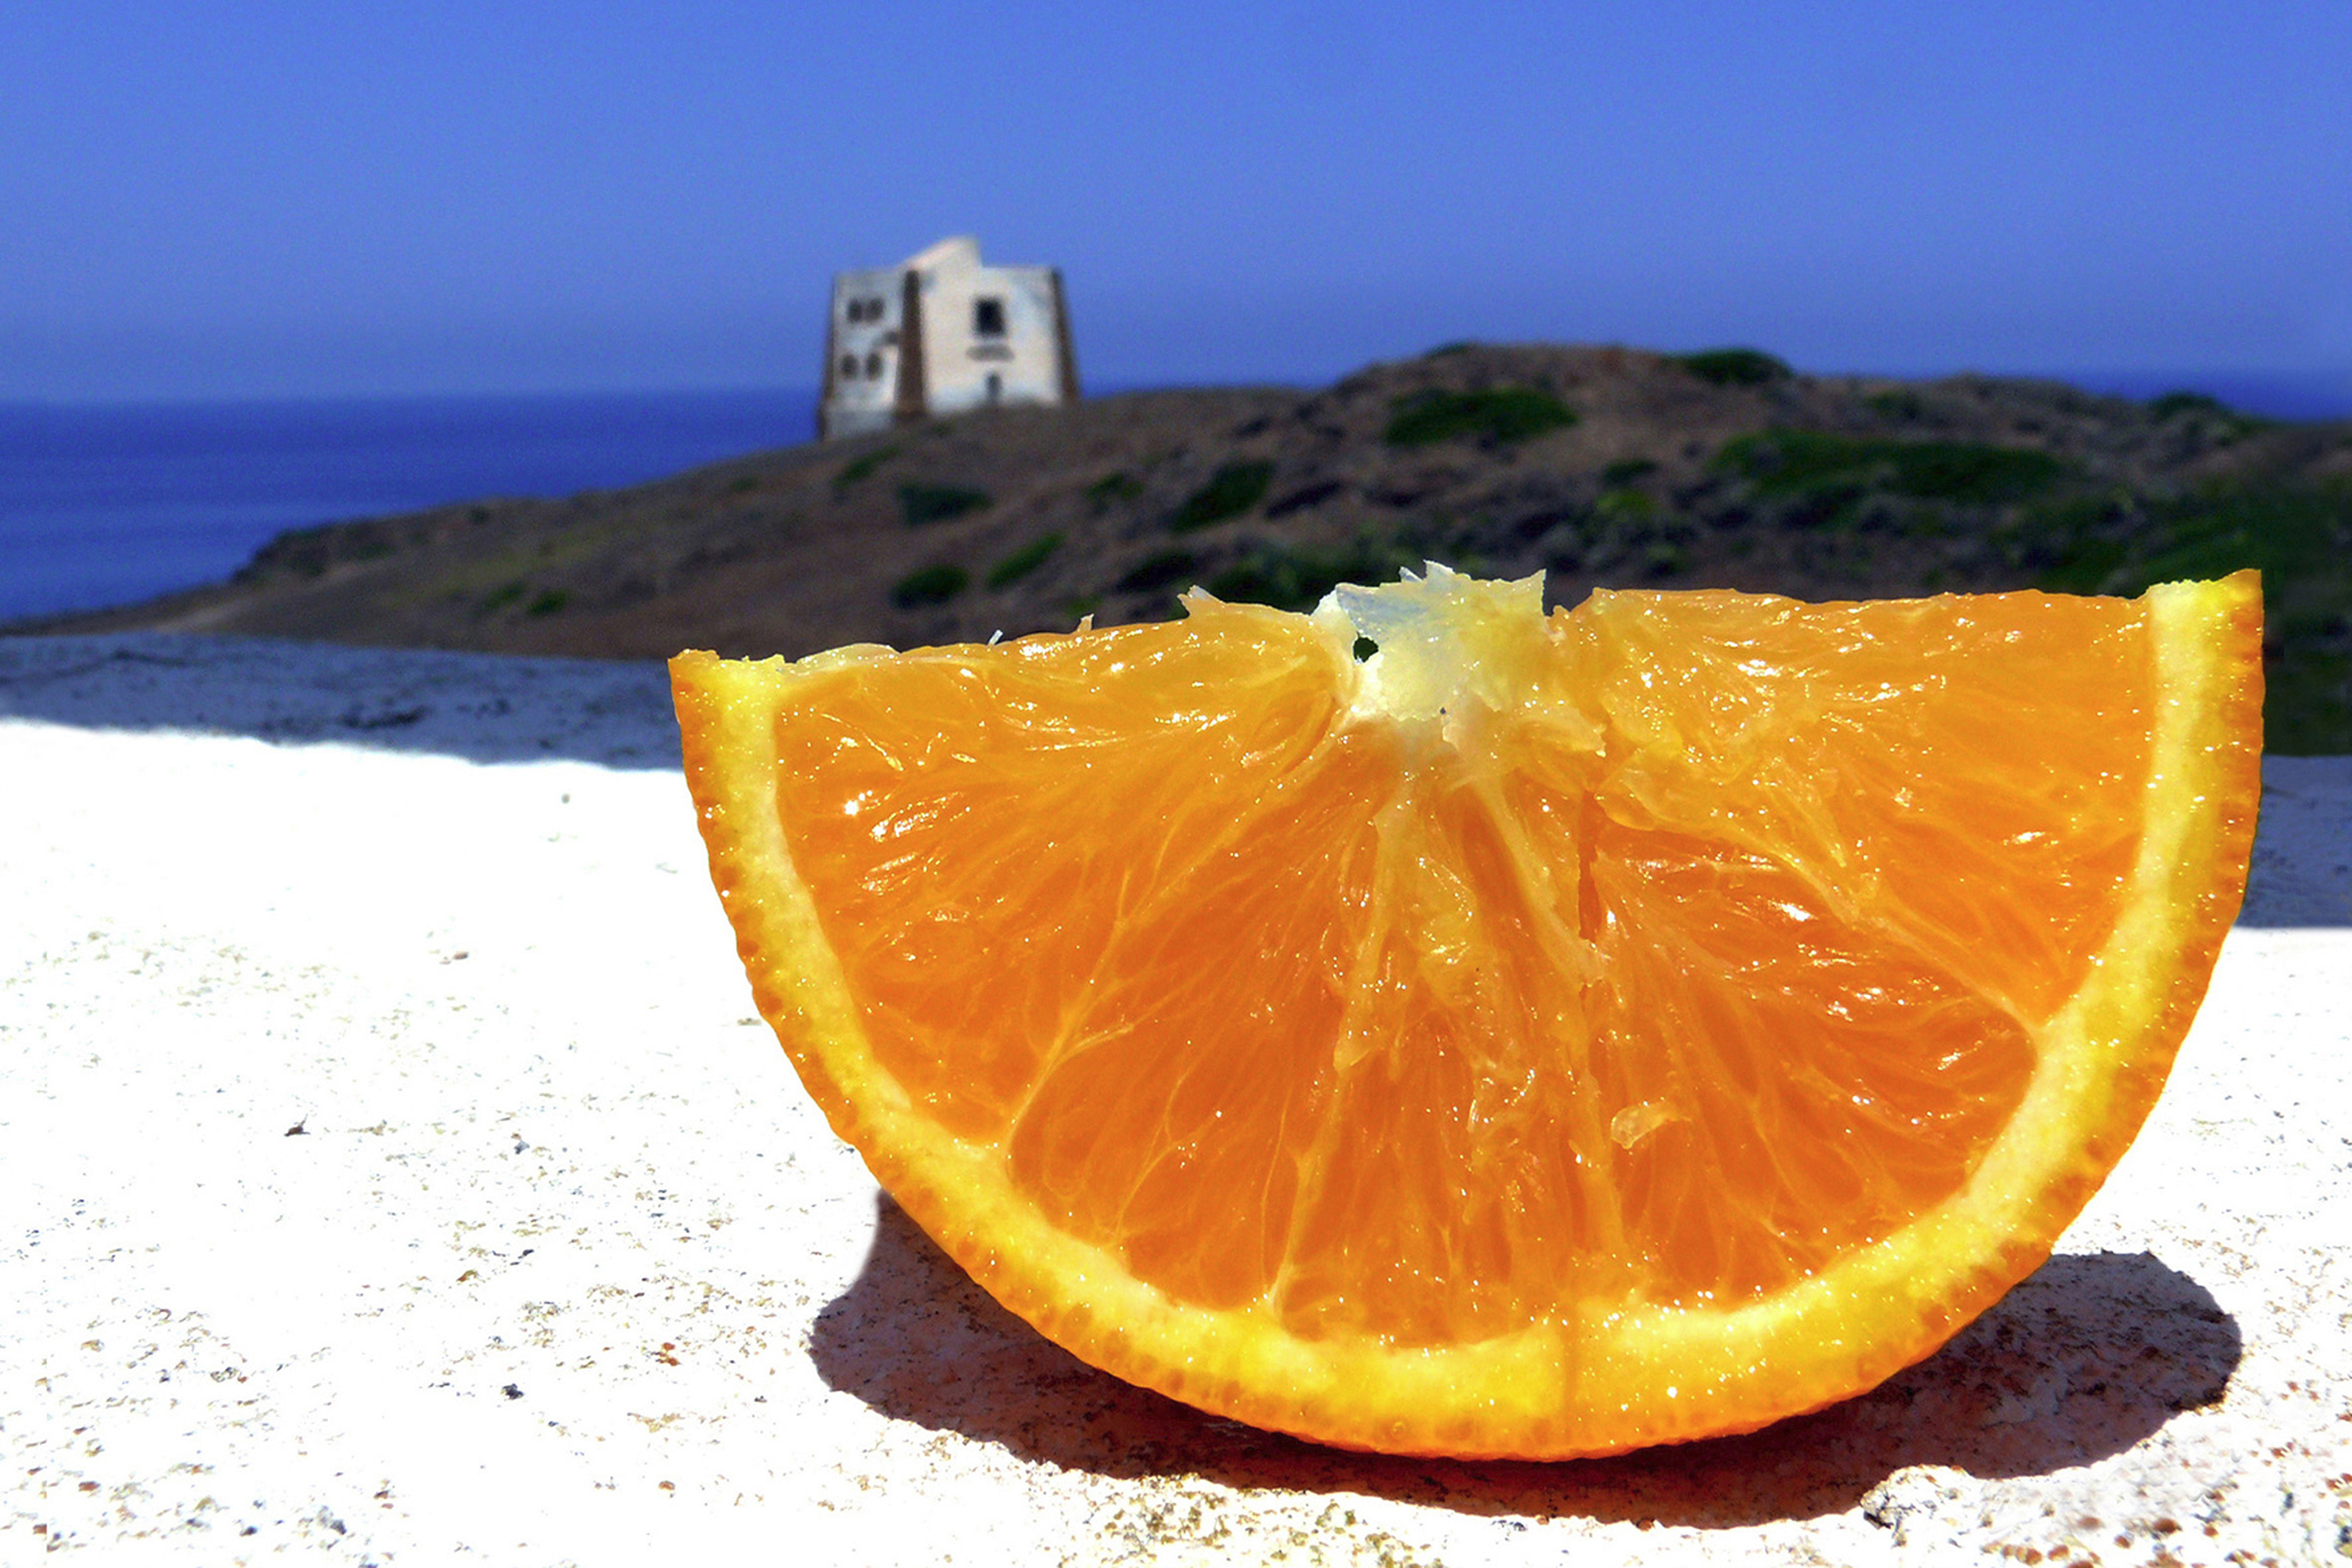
x,y
1706,939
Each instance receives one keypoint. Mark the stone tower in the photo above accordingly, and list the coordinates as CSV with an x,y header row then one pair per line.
x,y
941,332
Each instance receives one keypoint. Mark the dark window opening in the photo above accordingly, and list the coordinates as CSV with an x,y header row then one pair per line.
x,y
995,387
873,365
988,317
849,367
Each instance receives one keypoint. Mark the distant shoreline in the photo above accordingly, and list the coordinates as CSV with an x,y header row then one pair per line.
x,y
2295,396
2278,394
103,505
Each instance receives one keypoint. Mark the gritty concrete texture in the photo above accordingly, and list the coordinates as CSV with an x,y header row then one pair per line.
x,y
390,1166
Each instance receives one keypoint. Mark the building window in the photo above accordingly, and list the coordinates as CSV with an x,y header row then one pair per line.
x,y
849,367
873,365
995,387
988,317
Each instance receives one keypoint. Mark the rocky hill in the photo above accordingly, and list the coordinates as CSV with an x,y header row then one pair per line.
x,y
1597,466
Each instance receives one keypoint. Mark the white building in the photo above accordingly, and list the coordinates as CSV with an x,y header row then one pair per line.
x,y
941,332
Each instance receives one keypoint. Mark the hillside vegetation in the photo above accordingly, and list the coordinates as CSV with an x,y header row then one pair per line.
x,y
1601,467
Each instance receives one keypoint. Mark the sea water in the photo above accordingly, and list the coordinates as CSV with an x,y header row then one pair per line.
x,y
106,505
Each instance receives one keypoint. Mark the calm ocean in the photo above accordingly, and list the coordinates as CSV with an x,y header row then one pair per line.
x,y
108,504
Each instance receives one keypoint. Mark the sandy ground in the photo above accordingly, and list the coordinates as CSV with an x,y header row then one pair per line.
x,y
390,1166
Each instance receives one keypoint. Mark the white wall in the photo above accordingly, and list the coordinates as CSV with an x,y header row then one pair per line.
x,y
1025,360
864,369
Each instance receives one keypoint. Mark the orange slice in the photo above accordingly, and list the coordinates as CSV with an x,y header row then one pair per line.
x,y
1549,1036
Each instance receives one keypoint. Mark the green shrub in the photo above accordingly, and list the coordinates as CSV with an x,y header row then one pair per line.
x,y
857,469
1024,561
742,484
1231,491
1626,470
934,585
1952,471
1498,415
505,594
2298,537
2292,536
1160,570
1798,462
2058,535
2301,541
920,504
549,602
1298,579
2178,403
1305,498
2220,419
1733,367
1119,486
2080,568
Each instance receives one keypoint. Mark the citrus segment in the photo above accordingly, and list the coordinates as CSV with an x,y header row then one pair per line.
x,y
1552,1035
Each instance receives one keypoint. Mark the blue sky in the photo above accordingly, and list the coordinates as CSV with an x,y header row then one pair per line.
x,y
235,199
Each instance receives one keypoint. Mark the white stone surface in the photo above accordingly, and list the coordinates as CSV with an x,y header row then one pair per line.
x,y
390,1166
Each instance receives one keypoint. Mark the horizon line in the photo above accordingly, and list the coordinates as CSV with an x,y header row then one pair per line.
x,y
2132,383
